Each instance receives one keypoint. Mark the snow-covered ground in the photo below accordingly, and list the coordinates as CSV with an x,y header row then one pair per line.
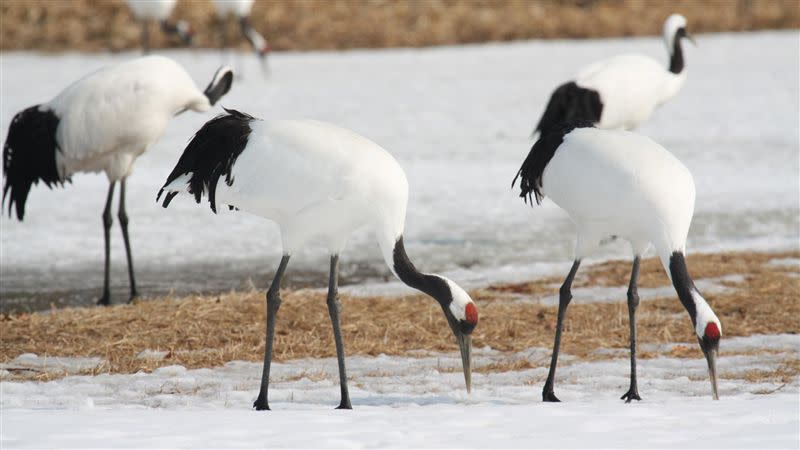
x,y
415,402
458,120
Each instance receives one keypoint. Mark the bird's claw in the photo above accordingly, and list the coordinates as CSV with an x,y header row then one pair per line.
x,y
549,396
632,394
344,405
105,300
261,404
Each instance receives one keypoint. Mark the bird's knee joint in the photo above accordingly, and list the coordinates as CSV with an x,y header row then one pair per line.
x,y
123,218
333,302
107,219
273,300
565,295
633,298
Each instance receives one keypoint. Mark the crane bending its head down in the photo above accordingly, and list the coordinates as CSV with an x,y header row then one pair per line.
x,y
319,183
618,183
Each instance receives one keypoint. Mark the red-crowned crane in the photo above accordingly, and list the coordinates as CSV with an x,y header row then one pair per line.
x,y
241,10
146,11
101,123
319,183
622,91
618,183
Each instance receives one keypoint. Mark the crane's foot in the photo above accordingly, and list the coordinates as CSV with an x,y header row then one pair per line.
x,y
133,297
345,404
261,403
632,394
105,300
549,396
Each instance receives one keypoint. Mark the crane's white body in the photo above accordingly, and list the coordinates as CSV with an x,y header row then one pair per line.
x,y
631,87
110,117
619,183
151,9
319,182
240,8
623,184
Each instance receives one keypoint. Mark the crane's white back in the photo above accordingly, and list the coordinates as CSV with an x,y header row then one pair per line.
x,y
631,86
624,184
131,104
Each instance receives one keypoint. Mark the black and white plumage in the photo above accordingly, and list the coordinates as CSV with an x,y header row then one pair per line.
x,y
618,183
622,91
147,11
101,123
319,183
240,9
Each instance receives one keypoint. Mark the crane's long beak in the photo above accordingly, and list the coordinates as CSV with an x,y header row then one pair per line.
x,y
691,39
711,357
465,345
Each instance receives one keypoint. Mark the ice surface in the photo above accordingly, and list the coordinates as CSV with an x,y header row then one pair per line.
x,y
56,364
416,402
458,120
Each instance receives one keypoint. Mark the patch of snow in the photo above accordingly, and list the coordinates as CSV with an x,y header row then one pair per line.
x,y
773,342
57,364
413,402
787,262
156,355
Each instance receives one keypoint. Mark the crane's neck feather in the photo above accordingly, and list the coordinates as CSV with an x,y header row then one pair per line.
x,y
676,63
433,285
699,310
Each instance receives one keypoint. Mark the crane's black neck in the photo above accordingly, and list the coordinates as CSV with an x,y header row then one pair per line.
x,y
683,284
676,64
433,285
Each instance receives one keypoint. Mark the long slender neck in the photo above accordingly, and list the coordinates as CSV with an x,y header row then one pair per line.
x,y
432,285
683,284
676,59
253,37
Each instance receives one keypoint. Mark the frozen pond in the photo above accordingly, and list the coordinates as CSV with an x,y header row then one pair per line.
x,y
458,120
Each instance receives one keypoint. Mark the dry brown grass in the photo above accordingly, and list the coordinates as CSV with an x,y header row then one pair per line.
x,y
202,331
92,25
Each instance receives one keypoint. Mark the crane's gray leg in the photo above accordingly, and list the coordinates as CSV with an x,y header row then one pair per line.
x,y
105,300
123,222
334,308
273,303
633,302
565,295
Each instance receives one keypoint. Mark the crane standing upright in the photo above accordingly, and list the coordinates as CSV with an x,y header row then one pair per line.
x,y
102,123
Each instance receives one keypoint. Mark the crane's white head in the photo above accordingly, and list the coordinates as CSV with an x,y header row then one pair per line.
x,y
462,316
185,31
459,309
709,331
461,306
707,327
674,30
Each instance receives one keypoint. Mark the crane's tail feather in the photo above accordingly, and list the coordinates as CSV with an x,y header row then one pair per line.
x,y
570,103
209,156
29,156
543,150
